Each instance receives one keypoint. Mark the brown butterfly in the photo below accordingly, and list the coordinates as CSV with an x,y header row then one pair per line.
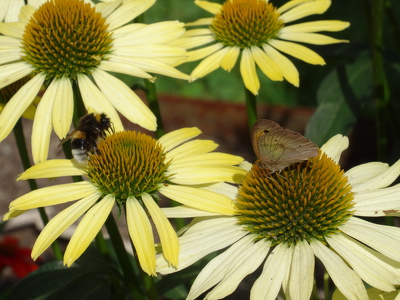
x,y
277,147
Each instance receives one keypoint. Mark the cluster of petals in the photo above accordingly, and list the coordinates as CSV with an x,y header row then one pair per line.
x,y
193,170
360,252
137,50
213,54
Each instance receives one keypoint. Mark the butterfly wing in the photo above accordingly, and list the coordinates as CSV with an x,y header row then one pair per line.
x,y
278,148
260,129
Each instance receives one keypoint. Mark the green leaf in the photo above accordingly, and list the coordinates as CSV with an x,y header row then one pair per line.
x,y
342,97
89,278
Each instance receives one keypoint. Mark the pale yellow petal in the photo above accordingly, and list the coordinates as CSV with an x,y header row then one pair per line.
x,y
230,58
200,199
248,72
204,52
197,32
345,279
192,148
141,234
298,51
41,129
183,211
300,278
228,269
52,195
174,138
127,12
266,64
125,100
148,34
275,269
18,104
63,107
209,64
211,7
167,234
52,169
380,181
215,158
12,214
88,228
199,22
160,67
26,13
61,222
7,42
106,8
10,55
305,9
192,175
130,30
9,10
315,26
153,51
92,97
335,146
10,73
123,65
310,38
194,42
288,69
14,29
382,238
290,4
370,268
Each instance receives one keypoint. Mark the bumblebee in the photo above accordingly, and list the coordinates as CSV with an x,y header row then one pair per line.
x,y
91,129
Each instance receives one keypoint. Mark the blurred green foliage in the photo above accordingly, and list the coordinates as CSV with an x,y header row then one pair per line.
x,y
353,84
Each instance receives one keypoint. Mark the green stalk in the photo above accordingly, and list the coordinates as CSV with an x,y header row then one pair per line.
x,y
251,107
149,286
102,246
326,286
23,154
151,93
380,84
123,257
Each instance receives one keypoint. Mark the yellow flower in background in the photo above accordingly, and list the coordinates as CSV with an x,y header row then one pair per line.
x,y
258,32
130,171
285,219
9,91
72,46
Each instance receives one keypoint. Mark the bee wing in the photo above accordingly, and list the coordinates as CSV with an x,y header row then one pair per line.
x,y
68,137
82,123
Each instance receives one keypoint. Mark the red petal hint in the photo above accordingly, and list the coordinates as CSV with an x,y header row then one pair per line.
x,y
15,257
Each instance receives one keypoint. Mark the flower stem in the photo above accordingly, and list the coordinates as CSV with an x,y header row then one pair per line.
x,y
23,154
151,93
123,257
251,107
326,286
148,281
380,85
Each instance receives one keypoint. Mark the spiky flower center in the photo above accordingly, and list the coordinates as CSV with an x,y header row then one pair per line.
x,y
246,23
128,164
66,38
305,201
